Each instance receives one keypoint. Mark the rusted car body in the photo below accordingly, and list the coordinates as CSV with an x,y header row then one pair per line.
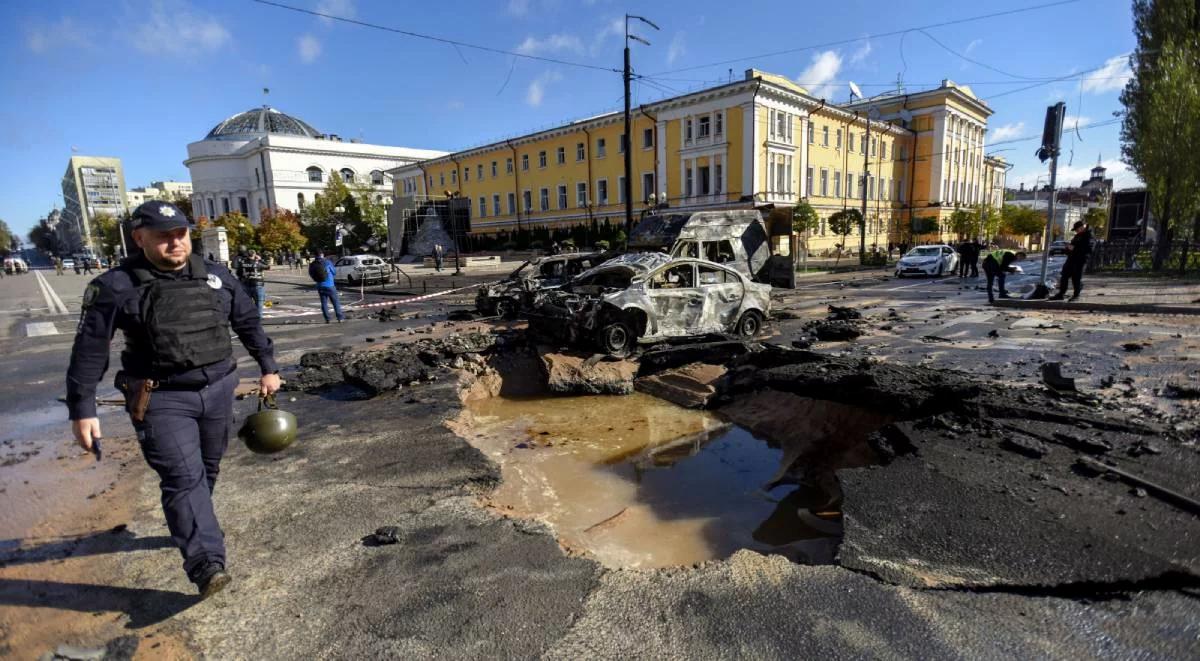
x,y
649,297
513,294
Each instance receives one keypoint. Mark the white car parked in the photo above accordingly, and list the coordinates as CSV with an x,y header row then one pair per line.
x,y
935,260
365,269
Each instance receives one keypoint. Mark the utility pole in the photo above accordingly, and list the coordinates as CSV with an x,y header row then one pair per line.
x,y
628,76
1051,138
862,222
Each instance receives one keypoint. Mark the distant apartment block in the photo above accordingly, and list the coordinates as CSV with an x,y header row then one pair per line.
x,y
92,185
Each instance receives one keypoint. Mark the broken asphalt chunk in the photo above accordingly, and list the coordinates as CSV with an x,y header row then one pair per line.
x,y
1052,376
383,536
1024,446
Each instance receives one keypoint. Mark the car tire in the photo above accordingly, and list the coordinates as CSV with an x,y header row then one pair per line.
x,y
350,281
505,308
749,325
941,267
616,339
899,274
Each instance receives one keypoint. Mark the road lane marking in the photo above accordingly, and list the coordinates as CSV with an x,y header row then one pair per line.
x,y
53,302
40,328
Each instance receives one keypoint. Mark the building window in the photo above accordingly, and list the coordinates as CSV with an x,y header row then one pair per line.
x,y
494,169
257,178
824,136
581,200
824,182
812,133
542,159
705,126
903,152
687,181
883,150
441,179
705,187
870,187
316,175
873,143
601,192
562,155
687,130
527,201
863,145
454,177
224,205
849,183
720,123
300,200
647,138
348,175
621,190
783,126
837,184
512,203
524,162
600,147
809,180
580,154
850,141
648,186
376,178
508,166
466,174
544,199
211,212
838,144
243,206
482,206
562,196
496,204
479,172
717,188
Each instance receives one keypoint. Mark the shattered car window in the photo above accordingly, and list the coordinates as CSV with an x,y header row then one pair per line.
x,y
676,277
720,252
687,249
712,276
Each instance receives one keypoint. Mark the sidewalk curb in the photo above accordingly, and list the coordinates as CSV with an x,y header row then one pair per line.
x,y
1063,306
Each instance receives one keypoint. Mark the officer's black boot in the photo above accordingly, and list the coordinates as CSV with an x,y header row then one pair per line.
x,y
212,579
1057,297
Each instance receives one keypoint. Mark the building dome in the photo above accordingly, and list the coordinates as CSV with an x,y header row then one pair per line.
x,y
259,122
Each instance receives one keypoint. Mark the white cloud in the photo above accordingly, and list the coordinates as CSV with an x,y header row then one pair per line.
x,y
975,43
677,49
1109,78
1071,121
65,33
862,53
1007,131
1073,175
173,28
824,68
518,7
537,89
612,28
309,48
555,43
339,8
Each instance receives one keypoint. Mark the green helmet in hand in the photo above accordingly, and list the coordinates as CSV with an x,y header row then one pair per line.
x,y
270,430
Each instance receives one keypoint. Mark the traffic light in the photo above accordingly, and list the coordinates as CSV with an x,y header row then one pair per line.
x,y
1052,131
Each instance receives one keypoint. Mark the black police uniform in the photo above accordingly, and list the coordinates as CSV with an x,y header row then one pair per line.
x,y
176,328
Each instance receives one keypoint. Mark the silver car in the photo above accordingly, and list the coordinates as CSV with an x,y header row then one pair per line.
x,y
650,297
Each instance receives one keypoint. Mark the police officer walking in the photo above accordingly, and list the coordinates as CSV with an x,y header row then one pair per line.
x,y
250,269
1077,257
177,372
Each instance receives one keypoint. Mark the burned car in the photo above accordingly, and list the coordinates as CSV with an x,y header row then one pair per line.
x,y
513,294
649,297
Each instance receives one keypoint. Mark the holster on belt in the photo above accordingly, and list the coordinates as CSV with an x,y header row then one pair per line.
x,y
137,396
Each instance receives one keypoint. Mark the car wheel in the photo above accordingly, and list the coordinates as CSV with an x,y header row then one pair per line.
x,y
506,308
899,274
616,339
351,281
941,267
749,325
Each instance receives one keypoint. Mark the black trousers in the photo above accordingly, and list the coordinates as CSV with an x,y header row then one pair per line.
x,y
993,272
1073,272
183,437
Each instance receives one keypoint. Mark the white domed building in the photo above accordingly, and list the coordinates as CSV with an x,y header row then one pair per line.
x,y
265,159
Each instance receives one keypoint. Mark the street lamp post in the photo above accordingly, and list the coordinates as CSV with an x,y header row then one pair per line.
x,y
338,230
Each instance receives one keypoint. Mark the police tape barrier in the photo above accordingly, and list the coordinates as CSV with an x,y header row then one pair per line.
x,y
413,299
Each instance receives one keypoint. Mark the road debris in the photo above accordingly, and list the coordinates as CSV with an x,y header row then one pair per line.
x,y
1052,376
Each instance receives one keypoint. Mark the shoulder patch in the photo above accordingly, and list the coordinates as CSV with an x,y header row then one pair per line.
x,y
214,281
90,294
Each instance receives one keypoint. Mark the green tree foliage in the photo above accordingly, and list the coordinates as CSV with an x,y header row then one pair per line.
x,y
1160,136
280,231
43,238
1021,221
8,240
106,234
1097,219
184,203
361,215
239,231
989,222
844,222
963,223
804,218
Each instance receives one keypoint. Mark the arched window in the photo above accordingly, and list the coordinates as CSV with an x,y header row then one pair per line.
x,y
300,200
376,178
315,174
348,175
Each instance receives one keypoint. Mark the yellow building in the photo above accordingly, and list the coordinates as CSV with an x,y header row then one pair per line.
x,y
759,142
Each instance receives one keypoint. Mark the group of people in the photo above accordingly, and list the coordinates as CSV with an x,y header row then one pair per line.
x,y
999,263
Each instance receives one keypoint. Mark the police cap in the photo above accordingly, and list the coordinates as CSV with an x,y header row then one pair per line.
x,y
158,215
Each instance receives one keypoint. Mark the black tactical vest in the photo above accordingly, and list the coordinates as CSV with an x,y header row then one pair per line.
x,y
185,323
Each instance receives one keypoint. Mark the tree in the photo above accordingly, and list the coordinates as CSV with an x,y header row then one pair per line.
x,y
8,240
106,233
43,238
239,232
184,203
963,222
1159,132
842,223
804,218
361,216
1021,221
989,222
280,230
1096,219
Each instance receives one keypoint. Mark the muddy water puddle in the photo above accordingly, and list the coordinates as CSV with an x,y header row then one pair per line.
x,y
638,482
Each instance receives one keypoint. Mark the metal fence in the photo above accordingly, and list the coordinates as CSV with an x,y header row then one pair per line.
x,y
1114,256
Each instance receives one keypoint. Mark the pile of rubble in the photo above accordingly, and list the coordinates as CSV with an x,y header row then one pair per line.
x,y
842,324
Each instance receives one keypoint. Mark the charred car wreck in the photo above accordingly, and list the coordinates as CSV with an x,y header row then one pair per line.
x,y
515,293
649,297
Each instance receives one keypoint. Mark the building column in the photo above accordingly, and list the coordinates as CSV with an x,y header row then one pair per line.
x,y
750,144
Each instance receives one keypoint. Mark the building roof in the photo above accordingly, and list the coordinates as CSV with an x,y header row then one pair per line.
x,y
259,122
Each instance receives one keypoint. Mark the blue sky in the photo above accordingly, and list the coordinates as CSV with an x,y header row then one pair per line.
x,y
140,79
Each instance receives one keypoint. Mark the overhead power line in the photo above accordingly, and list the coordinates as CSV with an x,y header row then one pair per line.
x,y
878,35
434,38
